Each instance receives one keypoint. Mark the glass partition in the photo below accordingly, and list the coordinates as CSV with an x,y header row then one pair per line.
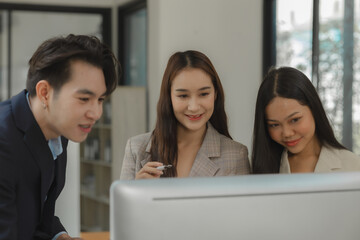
x,y
24,27
26,24
133,43
4,56
320,38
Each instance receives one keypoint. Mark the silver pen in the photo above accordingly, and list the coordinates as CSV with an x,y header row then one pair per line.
x,y
163,167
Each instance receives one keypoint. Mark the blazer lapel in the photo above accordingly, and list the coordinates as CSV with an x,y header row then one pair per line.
x,y
203,165
147,155
284,163
43,158
35,140
327,161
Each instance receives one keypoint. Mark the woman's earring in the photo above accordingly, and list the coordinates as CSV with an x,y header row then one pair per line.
x,y
43,105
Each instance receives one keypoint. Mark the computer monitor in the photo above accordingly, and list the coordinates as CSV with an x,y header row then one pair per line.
x,y
253,207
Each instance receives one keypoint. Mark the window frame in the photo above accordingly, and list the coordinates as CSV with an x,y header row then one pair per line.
x,y
269,60
10,7
123,12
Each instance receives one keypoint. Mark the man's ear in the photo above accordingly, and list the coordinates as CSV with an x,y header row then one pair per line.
x,y
43,92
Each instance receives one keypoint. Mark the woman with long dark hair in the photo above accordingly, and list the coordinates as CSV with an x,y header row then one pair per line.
x,y
291,130
191,133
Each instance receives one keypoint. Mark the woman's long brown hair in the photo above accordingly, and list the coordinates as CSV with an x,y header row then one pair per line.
x,y
164,137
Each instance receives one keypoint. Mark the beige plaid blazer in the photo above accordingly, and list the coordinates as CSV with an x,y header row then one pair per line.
x,y
217,156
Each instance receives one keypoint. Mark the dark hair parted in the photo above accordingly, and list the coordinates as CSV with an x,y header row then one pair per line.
x,y
164,137
285,82
52,61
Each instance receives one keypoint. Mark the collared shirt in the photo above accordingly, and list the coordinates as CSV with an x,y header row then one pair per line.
x,y
55,143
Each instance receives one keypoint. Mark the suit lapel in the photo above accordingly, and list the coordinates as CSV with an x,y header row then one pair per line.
x,y
42,156
328,162
203,165
35,140
147,155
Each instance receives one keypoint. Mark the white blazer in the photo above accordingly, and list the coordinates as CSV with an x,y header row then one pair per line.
x,y
330,160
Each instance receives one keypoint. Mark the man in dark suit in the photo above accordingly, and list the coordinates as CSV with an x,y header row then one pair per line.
x,y
68,79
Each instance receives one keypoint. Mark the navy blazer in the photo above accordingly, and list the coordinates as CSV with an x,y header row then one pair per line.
x,y
30,180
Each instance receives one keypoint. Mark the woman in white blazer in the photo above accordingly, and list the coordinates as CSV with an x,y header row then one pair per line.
x,y
191,133
292,133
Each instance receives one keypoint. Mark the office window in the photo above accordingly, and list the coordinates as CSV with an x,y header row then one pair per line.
x,y
22,30
320,38
133,43
4,56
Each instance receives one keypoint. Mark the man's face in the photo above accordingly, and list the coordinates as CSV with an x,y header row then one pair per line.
x,y
74,109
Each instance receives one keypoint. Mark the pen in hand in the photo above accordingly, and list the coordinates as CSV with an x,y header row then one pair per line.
x,y
164,167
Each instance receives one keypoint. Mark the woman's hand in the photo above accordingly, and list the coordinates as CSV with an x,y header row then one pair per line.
x,y
64,236
149,171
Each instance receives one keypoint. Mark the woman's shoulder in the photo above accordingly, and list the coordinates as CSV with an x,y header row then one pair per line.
x,y
227,143
349,160
224,140
141,137
140,140
234,155
344,154
230,142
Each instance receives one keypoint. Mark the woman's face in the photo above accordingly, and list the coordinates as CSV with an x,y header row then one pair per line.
x,y
291,125
192,97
